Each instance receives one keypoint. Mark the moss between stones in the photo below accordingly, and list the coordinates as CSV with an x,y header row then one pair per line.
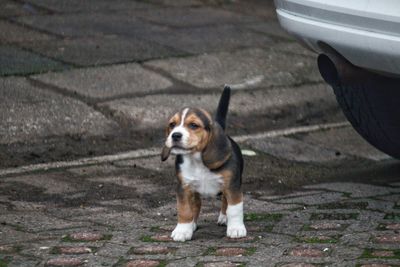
x,y
346,194
163,263
392,216
250,251
4,261
55,250
147,238
155,229
17,227
107,237
334,216
250,217
121,261
367,254
268,228
210,251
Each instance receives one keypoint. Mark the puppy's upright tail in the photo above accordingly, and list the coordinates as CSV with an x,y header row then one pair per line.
x,y
222,109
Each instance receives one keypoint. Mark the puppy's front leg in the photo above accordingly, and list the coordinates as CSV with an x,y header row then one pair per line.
x,y
234,214
186,217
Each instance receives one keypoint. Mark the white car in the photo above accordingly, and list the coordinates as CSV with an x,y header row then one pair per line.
x,y
358,43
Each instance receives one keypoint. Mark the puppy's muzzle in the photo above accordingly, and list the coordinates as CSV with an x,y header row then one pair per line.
x,y
176,137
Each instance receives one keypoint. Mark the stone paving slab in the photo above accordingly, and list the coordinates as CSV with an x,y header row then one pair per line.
x,y
355,189
323,198
35,222
293,48
272,28
28,113
67,6
91,24
150,163
193,17
12,33
210,39
51,184
108,81
264,10
345,140
141,186
17,61
294,150
153,111
251,67
94,51
178,3
13,8
8,235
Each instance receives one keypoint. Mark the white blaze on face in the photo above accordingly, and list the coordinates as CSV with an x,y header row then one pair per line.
x,y
179,129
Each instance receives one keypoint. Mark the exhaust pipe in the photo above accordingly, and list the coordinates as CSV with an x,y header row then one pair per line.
x,y
335,69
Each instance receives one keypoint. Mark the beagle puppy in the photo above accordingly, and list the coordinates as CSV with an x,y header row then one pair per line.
x,y
208,162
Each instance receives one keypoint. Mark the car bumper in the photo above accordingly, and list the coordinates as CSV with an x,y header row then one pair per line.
x,y
376,50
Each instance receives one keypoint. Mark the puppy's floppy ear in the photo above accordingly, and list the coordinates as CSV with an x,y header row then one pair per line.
x,y
165,153
218,149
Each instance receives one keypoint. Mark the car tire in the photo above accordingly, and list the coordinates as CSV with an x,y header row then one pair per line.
x,y
370,101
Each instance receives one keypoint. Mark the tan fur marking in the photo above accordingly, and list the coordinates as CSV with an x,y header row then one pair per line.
x,y
193,118
227,176
184,205
188,203
224,204
218,164
176,119
232,197
206,113
196,206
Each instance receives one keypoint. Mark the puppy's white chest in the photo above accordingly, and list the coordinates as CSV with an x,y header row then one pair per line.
x,y
198,176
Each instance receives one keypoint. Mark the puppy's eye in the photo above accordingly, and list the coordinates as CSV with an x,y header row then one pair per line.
x,y
193,126
172,125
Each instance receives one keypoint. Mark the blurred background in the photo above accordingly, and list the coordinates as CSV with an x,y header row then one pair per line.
x,y
86,78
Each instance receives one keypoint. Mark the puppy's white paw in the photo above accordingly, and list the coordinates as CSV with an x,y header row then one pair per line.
x,y
183,231
236,228
236,231
221,219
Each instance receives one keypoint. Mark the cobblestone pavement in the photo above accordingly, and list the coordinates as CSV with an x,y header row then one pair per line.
x,y
85,88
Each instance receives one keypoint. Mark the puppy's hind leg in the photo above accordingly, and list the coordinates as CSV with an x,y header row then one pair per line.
x,y
222,214
196,206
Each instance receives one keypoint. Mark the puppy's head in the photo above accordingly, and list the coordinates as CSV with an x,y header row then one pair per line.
x,y
188,131
193,130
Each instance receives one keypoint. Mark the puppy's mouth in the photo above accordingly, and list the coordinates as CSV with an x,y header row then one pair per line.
x,y
176,150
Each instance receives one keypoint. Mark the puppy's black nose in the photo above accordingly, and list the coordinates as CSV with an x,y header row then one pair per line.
x,y
176,136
